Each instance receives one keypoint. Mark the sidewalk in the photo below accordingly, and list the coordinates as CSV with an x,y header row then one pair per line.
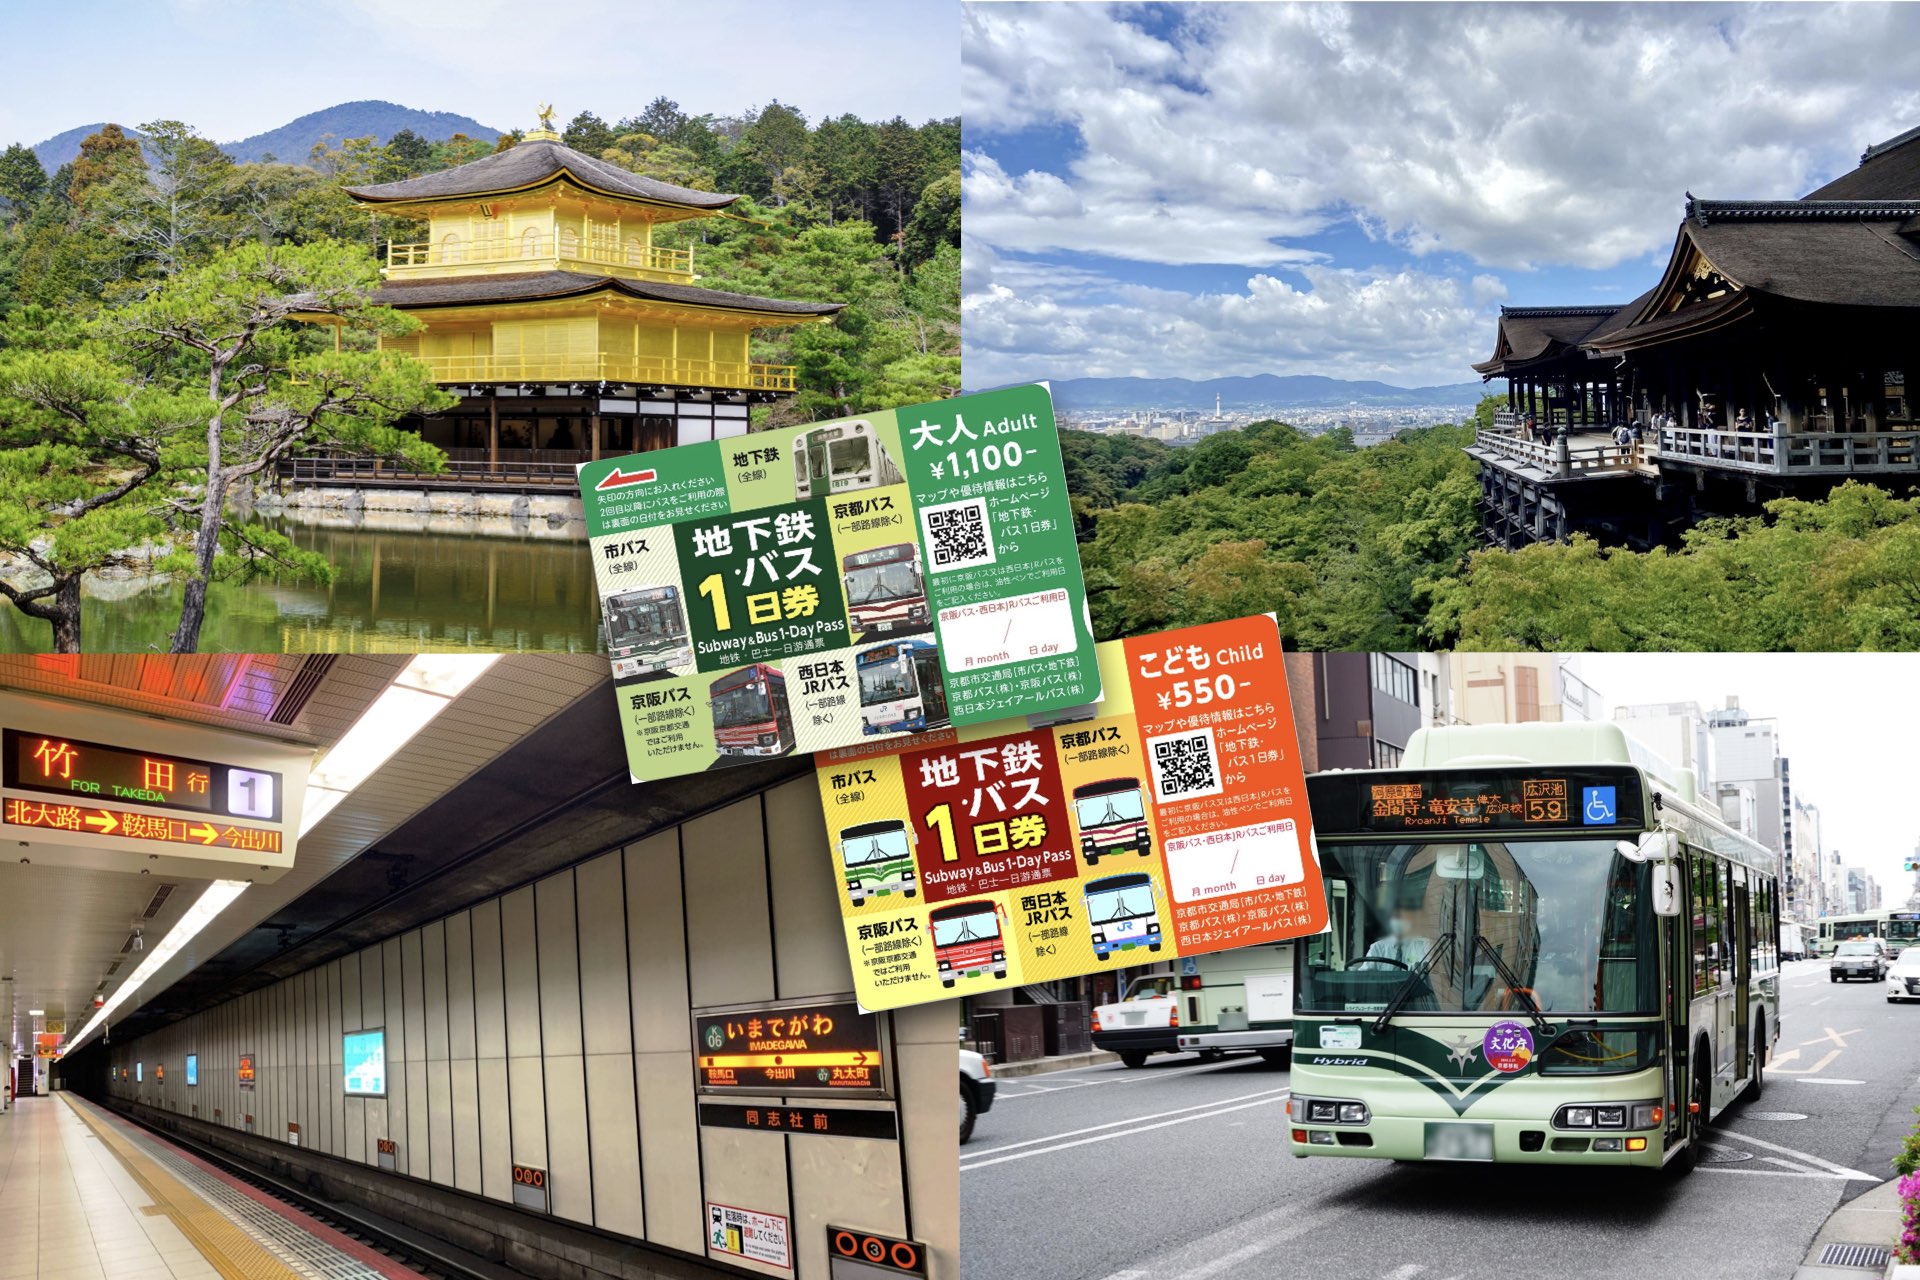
x,y
1869,1219
1060,1062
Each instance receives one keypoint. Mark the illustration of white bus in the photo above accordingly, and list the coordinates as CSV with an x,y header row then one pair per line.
x,y
886,590
1111,818
646,631
1120,911
878,860
839,459
901,689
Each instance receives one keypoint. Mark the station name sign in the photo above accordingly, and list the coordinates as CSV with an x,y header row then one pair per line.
x,y
102,789
91,771
1414,801
787,1048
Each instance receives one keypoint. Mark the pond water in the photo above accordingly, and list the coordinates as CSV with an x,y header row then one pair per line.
x,y
403,584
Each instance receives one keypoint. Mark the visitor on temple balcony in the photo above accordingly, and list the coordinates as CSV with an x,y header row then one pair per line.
x,y
1744,422
1623,439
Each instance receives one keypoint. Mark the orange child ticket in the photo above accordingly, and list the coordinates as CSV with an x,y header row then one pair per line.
x,y
1168,820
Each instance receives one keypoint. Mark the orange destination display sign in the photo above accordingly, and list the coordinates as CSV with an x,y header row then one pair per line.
x,y
125,825
1168,820
788,1047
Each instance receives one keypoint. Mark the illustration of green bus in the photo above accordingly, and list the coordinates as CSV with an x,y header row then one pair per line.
x,y
878,860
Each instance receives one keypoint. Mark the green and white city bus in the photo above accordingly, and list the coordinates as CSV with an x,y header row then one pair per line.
x,y
1898,929
1538,952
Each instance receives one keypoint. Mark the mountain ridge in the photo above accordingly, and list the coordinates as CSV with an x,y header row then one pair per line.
x,y
291,141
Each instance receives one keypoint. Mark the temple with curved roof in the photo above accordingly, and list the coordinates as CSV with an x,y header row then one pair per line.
x,y
568,329
1772,357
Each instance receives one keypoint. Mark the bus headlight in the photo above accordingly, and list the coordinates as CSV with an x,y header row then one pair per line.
x,y
999,955
1609,1115
1353,1113
1327,1111
1099,935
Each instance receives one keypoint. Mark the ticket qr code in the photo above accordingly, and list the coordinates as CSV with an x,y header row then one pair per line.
x,y
1184,765
957,534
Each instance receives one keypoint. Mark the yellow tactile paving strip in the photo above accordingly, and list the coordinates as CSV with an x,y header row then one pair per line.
x,y
227,1249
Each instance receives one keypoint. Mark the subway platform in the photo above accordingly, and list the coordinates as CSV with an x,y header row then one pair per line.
x,y
86,1196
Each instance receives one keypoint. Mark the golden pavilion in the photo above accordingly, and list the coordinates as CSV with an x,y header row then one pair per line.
x,y
565,330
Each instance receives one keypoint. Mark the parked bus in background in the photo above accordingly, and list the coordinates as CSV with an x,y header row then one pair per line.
x,y
750,716
1898,929
886,590
1537,952
1239,999
967,941
901,689
839,459
1112,819
646,631
877,858
1122,912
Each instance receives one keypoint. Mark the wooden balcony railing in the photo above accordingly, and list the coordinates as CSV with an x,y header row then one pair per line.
x,y
538,253
646,370
1794,453
1588,455
327,468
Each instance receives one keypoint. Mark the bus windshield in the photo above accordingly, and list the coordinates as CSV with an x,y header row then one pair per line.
x,y
977,927
882,846
1124,902
1567,922
1104,811
635,621
741,705
876,582
885,682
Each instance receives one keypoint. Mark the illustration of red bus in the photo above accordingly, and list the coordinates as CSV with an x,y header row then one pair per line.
x,y
750,716
967,941
1111,818
886,590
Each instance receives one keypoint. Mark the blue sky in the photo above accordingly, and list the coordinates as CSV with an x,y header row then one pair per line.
x,y
1197,190
233,68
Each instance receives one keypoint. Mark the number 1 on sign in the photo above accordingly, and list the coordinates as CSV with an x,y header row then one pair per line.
x,y
715,590
940,818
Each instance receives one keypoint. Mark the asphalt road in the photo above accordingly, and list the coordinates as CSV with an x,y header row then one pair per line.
x,y
1179,1171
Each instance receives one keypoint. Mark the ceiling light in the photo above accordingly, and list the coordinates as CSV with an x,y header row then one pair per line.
x,y
216,899
423,689
36,1013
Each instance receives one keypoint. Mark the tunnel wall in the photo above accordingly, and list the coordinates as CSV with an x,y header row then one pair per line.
x,y
552,1027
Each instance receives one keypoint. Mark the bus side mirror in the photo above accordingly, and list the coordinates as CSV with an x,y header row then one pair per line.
x,y
1652,846
1666,888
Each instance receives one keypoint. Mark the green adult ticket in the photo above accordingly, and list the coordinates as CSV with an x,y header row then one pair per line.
x,y
812,587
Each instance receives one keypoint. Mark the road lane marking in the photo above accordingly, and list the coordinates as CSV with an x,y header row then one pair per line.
x,y
1113,1074
1823,1080
994,1158
1808,1157
1407,1272
1288,1224
1821,1000
1793,1054
1833,1037
1114,1124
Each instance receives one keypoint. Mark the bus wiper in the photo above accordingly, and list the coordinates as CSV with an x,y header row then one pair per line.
x,y
1513,982
1412,983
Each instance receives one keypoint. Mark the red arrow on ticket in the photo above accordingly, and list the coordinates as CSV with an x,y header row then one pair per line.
x,y
616,477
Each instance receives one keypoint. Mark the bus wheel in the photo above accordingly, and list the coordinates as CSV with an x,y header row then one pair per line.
x,y
1758,1084
1212,1055
910,891
1683,1163
1133,1059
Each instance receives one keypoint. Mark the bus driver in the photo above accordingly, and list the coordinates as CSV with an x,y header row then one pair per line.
x,y
1401,943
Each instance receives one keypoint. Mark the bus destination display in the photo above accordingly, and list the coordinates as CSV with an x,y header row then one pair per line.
x,y
94,772
1411,802
897,574
1168,820
789,1048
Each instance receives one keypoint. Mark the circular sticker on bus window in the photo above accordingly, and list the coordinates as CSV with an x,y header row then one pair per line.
x,y
1508,1046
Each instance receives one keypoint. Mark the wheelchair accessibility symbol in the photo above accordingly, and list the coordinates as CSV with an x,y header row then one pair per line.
x,y
1596,805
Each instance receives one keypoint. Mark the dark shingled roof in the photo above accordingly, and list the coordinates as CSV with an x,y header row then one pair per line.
x,y
1529,333
1888,170
1702,317
530,285
1841,253
530,164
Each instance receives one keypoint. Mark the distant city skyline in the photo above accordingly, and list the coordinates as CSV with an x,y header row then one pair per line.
x,y
1201,190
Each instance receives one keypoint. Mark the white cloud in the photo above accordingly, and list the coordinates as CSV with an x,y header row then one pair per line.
x,y
1519,135
1405,326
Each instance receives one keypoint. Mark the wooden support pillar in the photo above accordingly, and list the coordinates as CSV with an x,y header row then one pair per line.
x,y
493,435
594,427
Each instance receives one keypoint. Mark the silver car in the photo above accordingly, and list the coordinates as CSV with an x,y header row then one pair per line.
x,y
1859,958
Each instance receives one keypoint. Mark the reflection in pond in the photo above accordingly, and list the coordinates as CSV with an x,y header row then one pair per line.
x,y
403,584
